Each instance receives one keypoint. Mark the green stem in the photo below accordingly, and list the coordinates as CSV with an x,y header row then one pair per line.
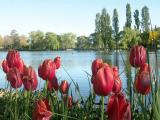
x,y
102,108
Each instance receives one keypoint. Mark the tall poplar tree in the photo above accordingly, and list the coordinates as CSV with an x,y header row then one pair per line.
x,y
136,19
98,31
115,24
128,16
106,29
145,19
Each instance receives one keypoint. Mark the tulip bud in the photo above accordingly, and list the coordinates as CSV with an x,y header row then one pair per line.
x,y
145,67
118,108
117,81
14,77
53,84
13,58
30,78
96,65
5,66
137,56
57,61
40,71
64,87
42,111
142,83
47,70
104,81
70,101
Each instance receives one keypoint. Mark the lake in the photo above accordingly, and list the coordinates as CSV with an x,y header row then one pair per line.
x,y
76,63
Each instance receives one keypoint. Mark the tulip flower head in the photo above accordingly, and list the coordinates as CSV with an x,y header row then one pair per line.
x,y
70,101
5,66
29,78
14,77
53,84
143,83
117,81
118,108
47,70
14,60
104,81
145,67
137,56
57,61
96,65
64,87
42,111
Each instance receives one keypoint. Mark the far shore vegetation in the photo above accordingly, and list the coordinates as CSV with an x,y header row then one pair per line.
x,y
107,36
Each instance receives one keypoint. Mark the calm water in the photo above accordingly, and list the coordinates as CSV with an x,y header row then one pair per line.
x,y
77,63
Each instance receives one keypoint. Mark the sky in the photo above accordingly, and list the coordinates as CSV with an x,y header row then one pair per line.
x,y
62,16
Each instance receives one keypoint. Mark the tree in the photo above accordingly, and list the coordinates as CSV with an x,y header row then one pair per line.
x,y
68,41
51,40
36,40
136,19
8,42
130,37
106,29
145,19
115,24
1,42
15,38
23,41
98,41
82,42
128,16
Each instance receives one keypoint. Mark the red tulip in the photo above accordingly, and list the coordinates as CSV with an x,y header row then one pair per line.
x,y
137,56
47,70
104,81
29,78
64,87
70,101
40,71
118,108
42,111
96,65
14,77
142,83
57,61
13,58
5,66
53,84
145,67
117,81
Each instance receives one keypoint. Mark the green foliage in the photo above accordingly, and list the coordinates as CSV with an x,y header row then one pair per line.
x,y
106,29
1,42
136,19
115,23
128,16
98,38
36,40
15,38
145,19
67,41
103,30
131,37
82,42
51,41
